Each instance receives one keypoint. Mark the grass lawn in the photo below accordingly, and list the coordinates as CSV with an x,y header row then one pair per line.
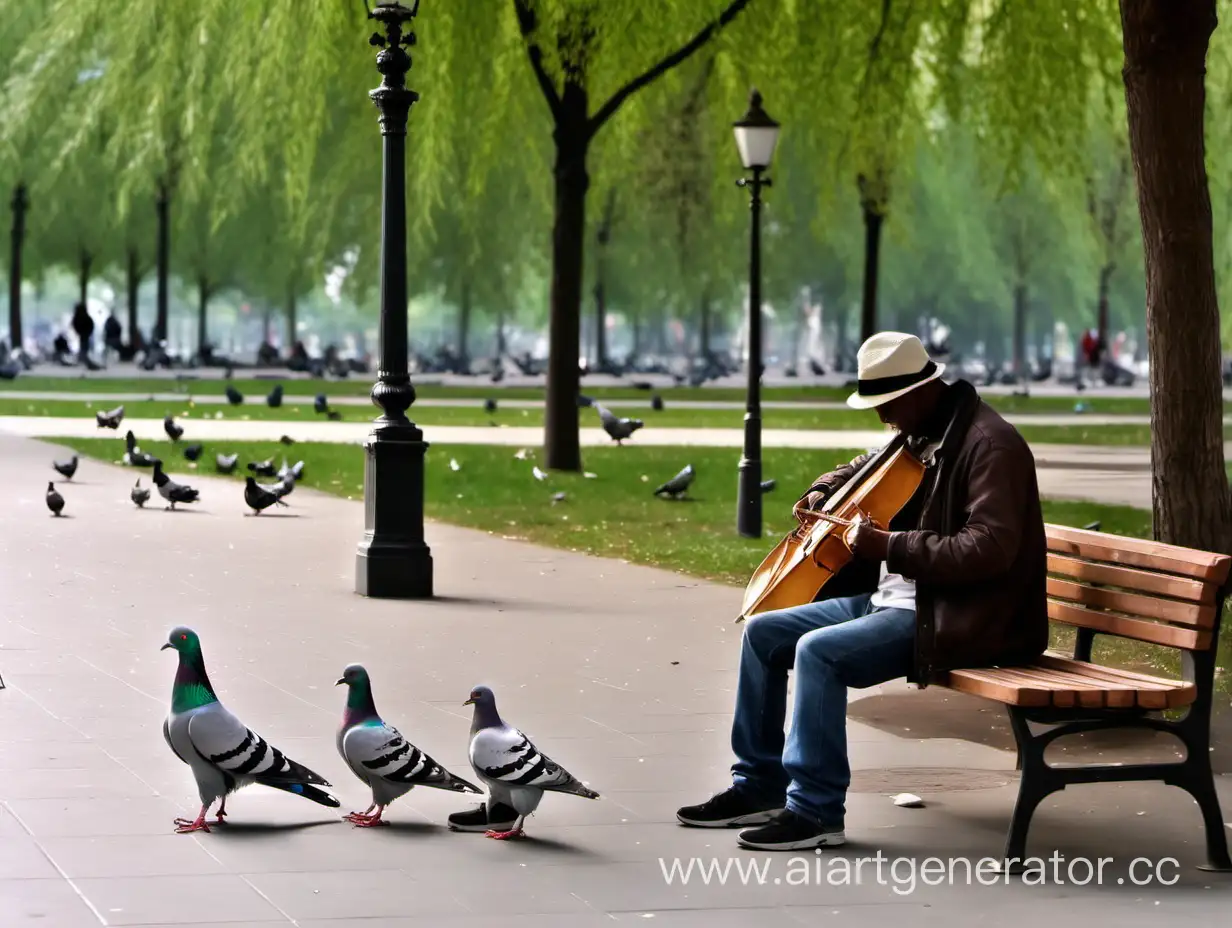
x,y
614,514
362,385
837,419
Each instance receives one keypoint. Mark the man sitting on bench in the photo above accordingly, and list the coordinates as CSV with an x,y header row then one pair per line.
x,y
961,584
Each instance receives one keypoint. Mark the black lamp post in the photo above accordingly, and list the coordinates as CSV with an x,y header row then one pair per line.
x,y
756,136
20,203
393,560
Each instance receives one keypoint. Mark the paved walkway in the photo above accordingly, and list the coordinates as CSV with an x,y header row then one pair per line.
x,y
623,674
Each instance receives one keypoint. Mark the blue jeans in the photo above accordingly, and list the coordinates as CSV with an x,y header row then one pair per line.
x,y
833,645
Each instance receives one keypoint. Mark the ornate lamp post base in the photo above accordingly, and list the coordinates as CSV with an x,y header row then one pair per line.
x,y
393,560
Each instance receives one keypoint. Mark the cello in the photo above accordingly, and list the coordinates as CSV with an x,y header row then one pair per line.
x,y
812,553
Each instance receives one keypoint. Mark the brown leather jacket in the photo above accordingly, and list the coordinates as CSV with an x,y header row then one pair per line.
x,y
978,556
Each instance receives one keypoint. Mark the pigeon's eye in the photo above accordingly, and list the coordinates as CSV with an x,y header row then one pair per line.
x,y
183,637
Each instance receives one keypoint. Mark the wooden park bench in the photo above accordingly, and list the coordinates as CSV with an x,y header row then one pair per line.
x,y
1142,590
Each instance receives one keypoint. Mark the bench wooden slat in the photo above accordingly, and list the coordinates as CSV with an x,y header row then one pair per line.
x,y
984,683
1061,693
1128,578
1137,552
1170,636
1151,692
1151,607
1092,691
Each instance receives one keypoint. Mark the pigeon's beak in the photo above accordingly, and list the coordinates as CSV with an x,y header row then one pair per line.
x,y
469,702
340,681
166,646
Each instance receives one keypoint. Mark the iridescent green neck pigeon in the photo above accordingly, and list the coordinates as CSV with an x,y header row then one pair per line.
x,y
223,753
377,753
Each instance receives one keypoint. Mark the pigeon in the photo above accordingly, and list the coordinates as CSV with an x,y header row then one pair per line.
x,y
259,497
9,370
454,465
134,456
171,491
768,485
584,400
234,396
642,385
173,431
192,452
559,497
293,473
320,404
110,420
334,416
66,469
489,406
139,494
287,440
380,756
274,400
497,375
512,768
523,454
55,502
656,403
618,429
678,486
225,463
538,474
262,468
223,753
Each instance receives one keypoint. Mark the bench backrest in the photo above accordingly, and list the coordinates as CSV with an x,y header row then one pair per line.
x,y
1132,588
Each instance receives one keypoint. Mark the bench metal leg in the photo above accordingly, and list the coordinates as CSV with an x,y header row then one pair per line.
x,y
1034,784
1201,785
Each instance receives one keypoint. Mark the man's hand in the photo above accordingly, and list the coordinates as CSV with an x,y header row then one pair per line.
x,y
868,541
806,503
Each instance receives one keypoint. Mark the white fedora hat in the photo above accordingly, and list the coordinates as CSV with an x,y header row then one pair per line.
x,y
891,364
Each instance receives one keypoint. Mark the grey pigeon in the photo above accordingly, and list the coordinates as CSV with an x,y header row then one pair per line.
x,y
192,452
259,498
656,403
223,753
139,494
516,773
55,502
294,472
320,404
9,370
287,440
171,491
225,463
380,756
67,468
173,431
619,429
559,497
234,396
274,400
110,420
584,400
134,456
678,486
262,468
768,485
489,406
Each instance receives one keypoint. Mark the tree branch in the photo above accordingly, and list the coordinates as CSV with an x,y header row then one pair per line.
x,y
666,64
526,23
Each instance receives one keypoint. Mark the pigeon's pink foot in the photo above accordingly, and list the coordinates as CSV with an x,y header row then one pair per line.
x,y
356,817
372,821
222,817
184,826
505,835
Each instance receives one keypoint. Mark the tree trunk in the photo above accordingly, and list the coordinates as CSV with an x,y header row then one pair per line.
x,y
87,261
464,329
132,282
1101,320
874,217
704,337
600,322
500,331
163,206
292,320
562,447
16,243
1165,53
637,336
1020,331
203,303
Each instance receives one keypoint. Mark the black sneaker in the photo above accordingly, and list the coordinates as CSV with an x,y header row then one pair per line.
x,y
477,819
726,809
791,832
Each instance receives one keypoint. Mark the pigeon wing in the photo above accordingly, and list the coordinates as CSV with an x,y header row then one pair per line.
x,y
380,751
607,417
224,741
507,756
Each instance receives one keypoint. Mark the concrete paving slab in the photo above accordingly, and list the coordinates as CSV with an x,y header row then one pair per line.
x,y
576,649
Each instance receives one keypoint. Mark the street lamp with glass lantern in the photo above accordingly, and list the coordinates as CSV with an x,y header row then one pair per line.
x,y
756,137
